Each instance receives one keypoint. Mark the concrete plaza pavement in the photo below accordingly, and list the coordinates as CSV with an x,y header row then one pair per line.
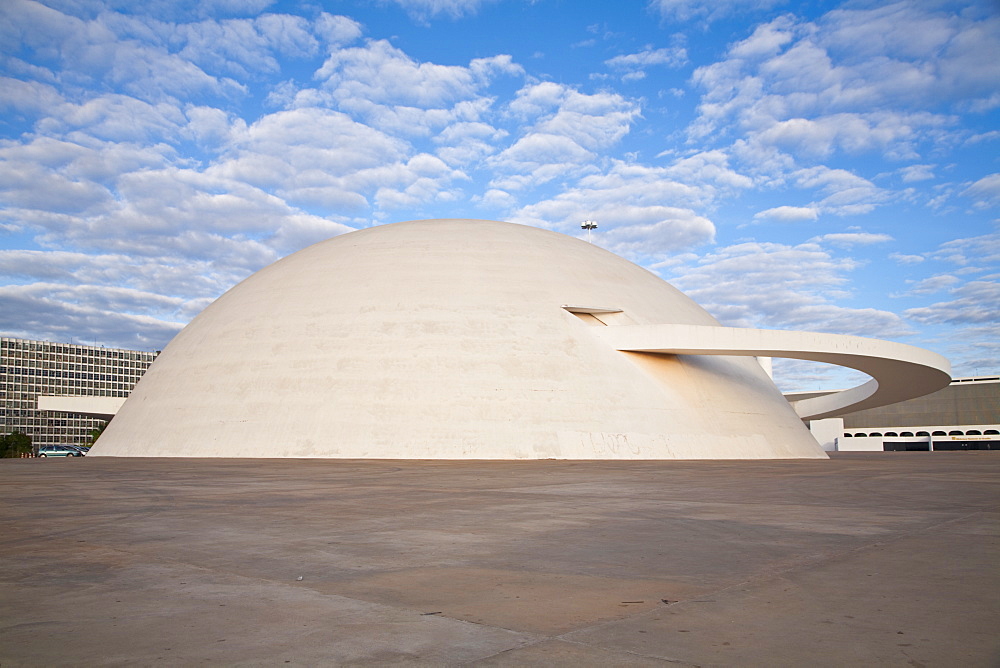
x,y
866,559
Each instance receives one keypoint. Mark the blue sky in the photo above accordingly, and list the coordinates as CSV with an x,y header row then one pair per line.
x,y
828,166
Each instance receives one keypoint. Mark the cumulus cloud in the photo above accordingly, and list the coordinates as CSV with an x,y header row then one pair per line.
x,y
853,82
634,65
915,173
380,73
58,313
973,302
934,284
985,192
469,142
27,96
116,118
564,129
980,253
966,306
904,258
848,239
845,192
788,214
382,86
643,212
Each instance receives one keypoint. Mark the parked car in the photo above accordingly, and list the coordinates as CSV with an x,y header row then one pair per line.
x,y
58,451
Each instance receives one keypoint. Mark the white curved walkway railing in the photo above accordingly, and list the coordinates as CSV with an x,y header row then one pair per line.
x,y
898,371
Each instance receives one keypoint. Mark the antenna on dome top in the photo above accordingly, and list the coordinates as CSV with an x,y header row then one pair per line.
x,y
588,225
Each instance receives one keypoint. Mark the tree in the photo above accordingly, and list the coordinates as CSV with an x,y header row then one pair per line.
x,y
15,444
96,433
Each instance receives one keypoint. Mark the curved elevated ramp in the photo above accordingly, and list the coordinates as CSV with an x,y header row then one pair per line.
x,y
898,371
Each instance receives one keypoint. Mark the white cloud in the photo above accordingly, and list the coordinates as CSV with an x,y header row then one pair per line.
x,y
27,96
564,129
634,64
336,30
709,167
915,173
756,284
903,258
788,214
380,73
981,252
28,185
152,279
545,149
464,143
846,192
312,156
317,157
105,51
848,239
642,212
985,191
804,88
934,284
382,86
766,41
973,302
593,121
117,118
58,313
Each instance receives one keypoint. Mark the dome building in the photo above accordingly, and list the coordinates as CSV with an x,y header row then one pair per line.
x,y
459,339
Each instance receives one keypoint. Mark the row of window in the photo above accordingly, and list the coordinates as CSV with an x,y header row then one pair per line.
x,y
57,374
25,346
12,366
33,390
43,422
910,434
35,368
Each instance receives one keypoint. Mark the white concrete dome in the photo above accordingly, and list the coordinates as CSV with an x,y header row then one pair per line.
x,y
449,339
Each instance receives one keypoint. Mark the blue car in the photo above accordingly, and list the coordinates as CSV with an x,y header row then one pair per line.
x,y
58,451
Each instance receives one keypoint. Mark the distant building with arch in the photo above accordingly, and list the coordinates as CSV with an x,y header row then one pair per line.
x,y
965,415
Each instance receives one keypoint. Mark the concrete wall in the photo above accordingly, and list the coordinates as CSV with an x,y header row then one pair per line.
x,y
868,444
826,432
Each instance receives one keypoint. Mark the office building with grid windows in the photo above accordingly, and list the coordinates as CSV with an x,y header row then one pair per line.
x,y
30,369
